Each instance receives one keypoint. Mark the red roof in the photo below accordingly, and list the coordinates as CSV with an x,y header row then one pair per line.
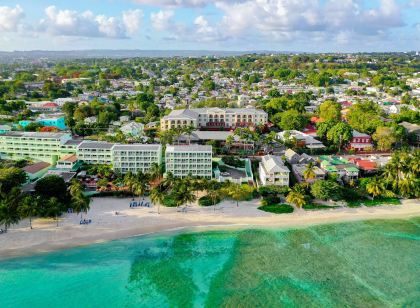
x,y
34,168
365,164
50,104
315,119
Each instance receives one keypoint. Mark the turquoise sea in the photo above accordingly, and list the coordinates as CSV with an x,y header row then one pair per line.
x,y
358,264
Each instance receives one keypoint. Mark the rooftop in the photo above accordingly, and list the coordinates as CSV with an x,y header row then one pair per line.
x,y
40,135
95,145
139,147
34,168
189,148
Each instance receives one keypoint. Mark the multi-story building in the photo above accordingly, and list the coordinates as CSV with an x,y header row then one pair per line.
x,y
214,118
361,141
48,121
33,145
273,171
94,152
135,157
185,160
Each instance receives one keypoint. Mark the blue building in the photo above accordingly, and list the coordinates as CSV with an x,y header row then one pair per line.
x,y
58,122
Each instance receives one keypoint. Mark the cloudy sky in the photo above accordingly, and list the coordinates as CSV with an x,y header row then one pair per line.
x,y
286,25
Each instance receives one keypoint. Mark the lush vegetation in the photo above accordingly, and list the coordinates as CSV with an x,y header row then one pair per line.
x,y
277,208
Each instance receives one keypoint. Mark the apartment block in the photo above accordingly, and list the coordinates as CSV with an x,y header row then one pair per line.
x,y
33,145
185,160
214,118
273,171
94,152
135,157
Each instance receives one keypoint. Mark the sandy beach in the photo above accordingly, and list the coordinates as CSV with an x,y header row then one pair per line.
x,y
106,225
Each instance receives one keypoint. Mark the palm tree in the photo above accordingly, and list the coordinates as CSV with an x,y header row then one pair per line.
x,y
237,192
155,173
184,194
140,184
54,207
296,198
188,131
309,172
169,181
75,188
81,204
213,191
29,207
375,187
9,204
157,195
129,181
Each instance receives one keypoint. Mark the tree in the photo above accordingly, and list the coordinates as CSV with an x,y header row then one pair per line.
x,y
364,117
140,184
326,189
9,204
375,187
29,207
292,120
184,195
51,186
213,191
330,111
385,138
309,172
296,198
157,195
10,178
130,181
340,134
54,208
237,192
81,204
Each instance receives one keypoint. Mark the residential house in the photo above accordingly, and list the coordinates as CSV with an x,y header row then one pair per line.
x,y
273,171
339,166
36,171
302,139
413,130
361,141
133,129
299,171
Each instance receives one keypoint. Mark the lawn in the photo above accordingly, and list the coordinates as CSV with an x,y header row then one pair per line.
x,y
277,208
374,202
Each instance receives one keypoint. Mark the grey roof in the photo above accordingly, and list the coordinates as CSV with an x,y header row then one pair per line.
x,y
358,134
189,148
73,142
211,135
35,135
95,145
137,147
273,163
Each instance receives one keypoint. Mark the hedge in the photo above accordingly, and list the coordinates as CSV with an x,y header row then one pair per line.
x,y
277,208
207,201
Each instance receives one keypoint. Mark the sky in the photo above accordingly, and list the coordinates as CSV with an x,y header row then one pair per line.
x,y
236,25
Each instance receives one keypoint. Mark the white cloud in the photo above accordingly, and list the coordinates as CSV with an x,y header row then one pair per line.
x,y
182,3
11,18
86,24
132,20
162,20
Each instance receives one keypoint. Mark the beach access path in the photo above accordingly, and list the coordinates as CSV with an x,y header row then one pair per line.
x,y
106,225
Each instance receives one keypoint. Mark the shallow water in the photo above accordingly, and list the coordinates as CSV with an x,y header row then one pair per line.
x,y
357,264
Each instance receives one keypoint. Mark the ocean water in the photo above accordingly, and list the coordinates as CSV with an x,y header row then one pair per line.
x,y
359,264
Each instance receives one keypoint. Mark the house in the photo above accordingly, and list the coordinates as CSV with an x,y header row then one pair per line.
x,y
302,139
413,130
68,162
360,142
91,120
47,121
132,129
339,166
299,171
36,171
291,156
273,171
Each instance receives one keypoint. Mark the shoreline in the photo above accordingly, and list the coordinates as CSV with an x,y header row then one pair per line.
x,y
20,241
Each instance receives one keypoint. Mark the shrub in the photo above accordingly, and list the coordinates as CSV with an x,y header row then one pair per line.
x,y
169,201
277,208
326,189
233,161
207,201
314,206
270,200
375,202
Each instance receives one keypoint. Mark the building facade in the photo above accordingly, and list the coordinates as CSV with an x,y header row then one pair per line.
x,y
214,118
185,160
33,145
273,171
94,152
135,157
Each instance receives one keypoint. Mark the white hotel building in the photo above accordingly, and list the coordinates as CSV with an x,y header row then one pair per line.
x,y
214,118
185,160
122,157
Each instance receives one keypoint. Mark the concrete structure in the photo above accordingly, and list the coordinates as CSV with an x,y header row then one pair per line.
x,y
5,129
58,122
214,118
68,163
33,145
273,171
135,157
184,160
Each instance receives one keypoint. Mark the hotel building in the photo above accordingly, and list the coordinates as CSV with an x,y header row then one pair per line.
x,y
135,157
214,118
33,145
185,160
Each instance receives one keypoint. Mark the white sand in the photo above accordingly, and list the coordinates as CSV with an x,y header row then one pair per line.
x,y
105,226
